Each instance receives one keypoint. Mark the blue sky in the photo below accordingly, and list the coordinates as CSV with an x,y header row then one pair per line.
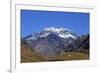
x,y
35,21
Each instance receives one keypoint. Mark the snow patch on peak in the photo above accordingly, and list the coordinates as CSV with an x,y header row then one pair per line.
x,y
66,36
55,29
44,35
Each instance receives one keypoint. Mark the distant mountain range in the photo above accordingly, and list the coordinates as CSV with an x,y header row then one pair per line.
x,y
53,42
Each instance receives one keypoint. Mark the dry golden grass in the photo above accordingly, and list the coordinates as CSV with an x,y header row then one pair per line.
x,y
27,55
72,56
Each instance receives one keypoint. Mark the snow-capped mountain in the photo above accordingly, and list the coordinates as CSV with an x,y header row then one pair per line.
x,y
61,32
52,41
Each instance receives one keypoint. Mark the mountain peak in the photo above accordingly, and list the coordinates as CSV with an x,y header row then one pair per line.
x,y
62,32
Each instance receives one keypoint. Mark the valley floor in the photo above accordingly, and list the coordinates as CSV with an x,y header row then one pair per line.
x,y
28,56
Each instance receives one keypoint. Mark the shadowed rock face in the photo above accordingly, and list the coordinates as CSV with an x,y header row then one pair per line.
x,y
51,44
84,44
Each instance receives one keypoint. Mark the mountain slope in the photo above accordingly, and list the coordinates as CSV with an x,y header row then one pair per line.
x,y
28,55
